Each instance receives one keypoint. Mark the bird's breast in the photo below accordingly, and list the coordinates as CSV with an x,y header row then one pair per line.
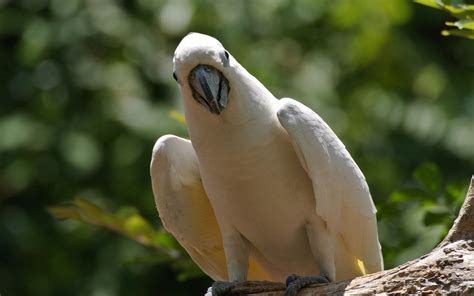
x,y
254,175
256,185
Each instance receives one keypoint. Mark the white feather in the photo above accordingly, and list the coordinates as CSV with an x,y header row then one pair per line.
x,y
342,195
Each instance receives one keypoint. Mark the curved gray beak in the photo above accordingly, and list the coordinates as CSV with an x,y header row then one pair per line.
x,y
209,87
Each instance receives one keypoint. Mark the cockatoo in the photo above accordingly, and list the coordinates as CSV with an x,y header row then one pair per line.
x,y
263,188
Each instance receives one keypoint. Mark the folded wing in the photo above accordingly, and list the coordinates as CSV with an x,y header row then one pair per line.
x,y
342,196
184,207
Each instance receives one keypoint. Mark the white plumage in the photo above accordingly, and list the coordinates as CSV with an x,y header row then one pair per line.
x,y
264,188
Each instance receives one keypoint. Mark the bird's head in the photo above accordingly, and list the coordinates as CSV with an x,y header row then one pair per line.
x,y
200,66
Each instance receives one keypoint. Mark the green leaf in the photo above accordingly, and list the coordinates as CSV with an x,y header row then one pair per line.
x,y
463,12
409,194
428,176
459,33
64,212
136,224
164,240
455,193
126,221
90,210
437,215
125,212
430,3
462,24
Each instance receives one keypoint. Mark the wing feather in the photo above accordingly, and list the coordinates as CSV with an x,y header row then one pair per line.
x,y
342,195
185,210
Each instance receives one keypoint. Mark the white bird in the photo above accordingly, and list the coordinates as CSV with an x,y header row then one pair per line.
x,y
264,188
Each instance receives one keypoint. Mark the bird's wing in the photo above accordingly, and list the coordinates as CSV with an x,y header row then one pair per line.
x,y
184,207
342,195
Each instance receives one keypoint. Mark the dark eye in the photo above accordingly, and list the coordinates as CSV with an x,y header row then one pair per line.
x,y
174,76
226,55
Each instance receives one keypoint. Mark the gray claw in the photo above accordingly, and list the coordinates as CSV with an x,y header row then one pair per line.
x,y
220,288
291,278
294,283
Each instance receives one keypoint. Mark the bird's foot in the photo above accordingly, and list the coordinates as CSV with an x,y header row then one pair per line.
x,y
220,288
294,283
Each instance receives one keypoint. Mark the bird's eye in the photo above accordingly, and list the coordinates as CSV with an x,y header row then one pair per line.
x,y
174,76
226,53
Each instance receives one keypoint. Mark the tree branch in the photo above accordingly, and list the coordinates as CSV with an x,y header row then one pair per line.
x,y
448,269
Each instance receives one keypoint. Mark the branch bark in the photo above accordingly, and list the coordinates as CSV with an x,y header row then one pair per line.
x,y
448,269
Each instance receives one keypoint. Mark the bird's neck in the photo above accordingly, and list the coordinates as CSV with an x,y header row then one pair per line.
x,y
249,99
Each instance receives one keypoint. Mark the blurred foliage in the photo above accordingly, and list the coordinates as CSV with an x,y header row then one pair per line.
x,y
126,222
129,223
418,216
459,9
87,88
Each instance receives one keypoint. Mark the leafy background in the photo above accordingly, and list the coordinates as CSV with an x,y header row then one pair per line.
x,y
86,89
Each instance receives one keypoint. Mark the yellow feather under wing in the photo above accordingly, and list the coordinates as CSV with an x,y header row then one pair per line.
x,y
256,272
199,234
361,266
362,255
208,239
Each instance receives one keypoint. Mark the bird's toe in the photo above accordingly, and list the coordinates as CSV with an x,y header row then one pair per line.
x,y
294,283
220,288
291,278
